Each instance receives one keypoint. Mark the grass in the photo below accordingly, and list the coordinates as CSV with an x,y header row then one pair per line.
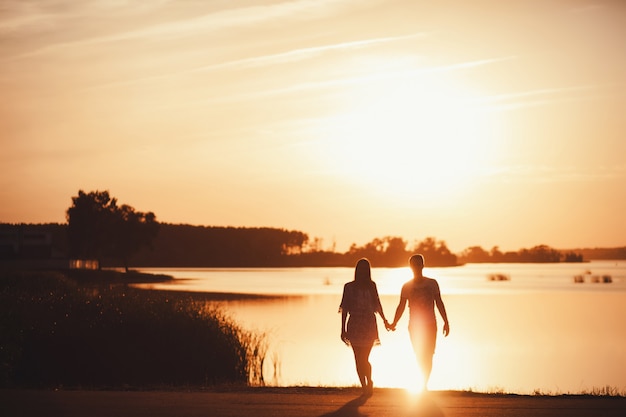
x,y
606,391
55,332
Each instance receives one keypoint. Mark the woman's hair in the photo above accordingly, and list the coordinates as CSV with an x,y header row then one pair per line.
x,y
363,271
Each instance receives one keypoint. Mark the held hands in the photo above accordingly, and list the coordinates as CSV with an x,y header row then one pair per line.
x,y
390,327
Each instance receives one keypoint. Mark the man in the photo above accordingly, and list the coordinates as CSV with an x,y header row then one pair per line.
x,y
422,294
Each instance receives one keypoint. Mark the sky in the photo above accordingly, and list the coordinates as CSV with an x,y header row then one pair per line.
x,y
479,123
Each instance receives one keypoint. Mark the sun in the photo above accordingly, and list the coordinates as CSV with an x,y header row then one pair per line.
x,y
408,136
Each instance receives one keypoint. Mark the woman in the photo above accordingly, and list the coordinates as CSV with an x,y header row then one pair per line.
x,y
359,304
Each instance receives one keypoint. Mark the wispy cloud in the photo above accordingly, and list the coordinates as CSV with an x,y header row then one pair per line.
x,y
212,20
17,17
356,80
304,53
539,97
551,174
295,55
330,84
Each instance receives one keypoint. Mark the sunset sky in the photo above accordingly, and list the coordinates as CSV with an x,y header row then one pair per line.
x,y
491,123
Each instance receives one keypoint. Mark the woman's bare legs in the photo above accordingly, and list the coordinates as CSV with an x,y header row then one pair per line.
x,y
364,367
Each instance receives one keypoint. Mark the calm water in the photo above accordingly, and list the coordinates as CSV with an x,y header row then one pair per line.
x,y
539,331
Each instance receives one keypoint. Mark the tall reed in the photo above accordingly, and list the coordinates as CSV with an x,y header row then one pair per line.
x,y
55,332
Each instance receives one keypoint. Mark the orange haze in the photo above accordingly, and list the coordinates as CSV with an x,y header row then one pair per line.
x,y
479,123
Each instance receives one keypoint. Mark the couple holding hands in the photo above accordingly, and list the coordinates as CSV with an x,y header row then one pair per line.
x,y
360,303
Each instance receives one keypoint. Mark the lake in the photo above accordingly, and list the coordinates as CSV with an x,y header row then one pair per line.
x,y
539,331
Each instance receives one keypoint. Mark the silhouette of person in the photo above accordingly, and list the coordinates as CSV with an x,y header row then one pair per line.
x,y
422,294
359,304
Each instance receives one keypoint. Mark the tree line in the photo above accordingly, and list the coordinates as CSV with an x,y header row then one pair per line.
x,y
118,235
189,246
536,254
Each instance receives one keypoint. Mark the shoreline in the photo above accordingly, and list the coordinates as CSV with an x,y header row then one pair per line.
x,y
221,296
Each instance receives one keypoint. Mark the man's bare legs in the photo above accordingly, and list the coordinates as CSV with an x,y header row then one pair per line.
x,y
423,341
425,361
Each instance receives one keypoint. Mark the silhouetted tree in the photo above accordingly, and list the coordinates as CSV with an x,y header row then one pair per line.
x,y
475,254
131,230
572,257
496,255
435,252
388,251
391,251
395,251
89,223
539,254
98,228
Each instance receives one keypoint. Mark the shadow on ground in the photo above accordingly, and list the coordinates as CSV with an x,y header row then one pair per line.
x,y
420,406
350,409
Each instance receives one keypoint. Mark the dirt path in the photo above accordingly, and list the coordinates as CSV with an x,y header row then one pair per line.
x,y
299,402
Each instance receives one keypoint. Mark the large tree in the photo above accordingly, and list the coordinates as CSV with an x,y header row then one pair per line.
x,y
435,252
98,228
389,251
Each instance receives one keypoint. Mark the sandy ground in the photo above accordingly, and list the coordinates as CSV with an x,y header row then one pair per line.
x,y
299,402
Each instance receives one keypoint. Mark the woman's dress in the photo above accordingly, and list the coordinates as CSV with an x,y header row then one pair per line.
x,y
361,302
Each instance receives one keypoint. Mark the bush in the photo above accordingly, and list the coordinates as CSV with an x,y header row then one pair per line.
x,y
54,332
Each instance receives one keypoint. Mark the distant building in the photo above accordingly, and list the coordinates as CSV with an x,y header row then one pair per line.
x,y
24,242
34,246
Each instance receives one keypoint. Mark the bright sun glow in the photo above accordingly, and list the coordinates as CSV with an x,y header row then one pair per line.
x,y
400,369
409,134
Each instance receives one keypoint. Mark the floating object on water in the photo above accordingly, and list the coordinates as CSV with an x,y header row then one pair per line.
x,y
596,279
498,277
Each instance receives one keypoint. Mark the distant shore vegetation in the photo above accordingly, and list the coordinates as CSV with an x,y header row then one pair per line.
x,y
117,235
